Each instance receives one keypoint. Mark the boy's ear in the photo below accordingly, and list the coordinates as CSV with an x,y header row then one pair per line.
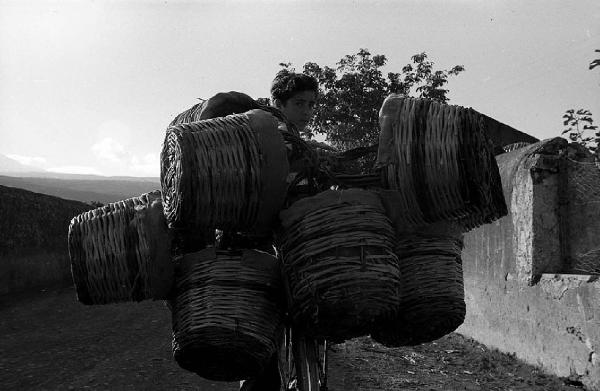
x,y
278,103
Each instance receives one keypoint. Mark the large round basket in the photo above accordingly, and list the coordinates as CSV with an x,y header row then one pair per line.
x,y
121,252
224,173
432,303
440,162
228,312
339,263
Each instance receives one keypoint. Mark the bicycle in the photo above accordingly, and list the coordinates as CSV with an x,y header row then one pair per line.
x,y
304,360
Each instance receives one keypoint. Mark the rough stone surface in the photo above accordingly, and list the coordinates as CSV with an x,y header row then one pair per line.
x,y
518,298
583,205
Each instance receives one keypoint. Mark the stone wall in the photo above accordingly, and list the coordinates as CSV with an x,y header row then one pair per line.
x,y
523,290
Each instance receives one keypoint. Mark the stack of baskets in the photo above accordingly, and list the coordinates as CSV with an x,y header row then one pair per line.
x,y
227,173
439,163
121,252
224,173
227,312
337,253
442,180
355,261
432,302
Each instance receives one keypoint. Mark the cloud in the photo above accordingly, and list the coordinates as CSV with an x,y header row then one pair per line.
x,y
35,161
75,170
109,150
117,152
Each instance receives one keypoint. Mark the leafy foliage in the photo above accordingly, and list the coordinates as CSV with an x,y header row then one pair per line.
x,y
580,123
352,93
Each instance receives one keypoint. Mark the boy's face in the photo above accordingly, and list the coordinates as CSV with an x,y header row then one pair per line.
x,y
299,108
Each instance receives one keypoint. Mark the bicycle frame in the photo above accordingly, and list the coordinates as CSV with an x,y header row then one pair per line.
x,y
305,363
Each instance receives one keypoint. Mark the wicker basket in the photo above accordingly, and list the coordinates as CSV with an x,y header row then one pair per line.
x,y
227,103
432,302
339,263
190,115
227,313
227,173
121,252
440,162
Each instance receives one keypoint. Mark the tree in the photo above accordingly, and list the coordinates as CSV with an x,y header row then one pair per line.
x,y
352,93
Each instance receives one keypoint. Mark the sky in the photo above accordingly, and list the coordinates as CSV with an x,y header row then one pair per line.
x,y
90,86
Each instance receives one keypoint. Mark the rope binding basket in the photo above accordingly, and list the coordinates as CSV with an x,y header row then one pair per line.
x,y
439,163
121,252
224,173
228,312
432,301
338,261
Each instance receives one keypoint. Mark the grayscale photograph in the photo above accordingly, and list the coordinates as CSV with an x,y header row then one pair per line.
x,y
300,195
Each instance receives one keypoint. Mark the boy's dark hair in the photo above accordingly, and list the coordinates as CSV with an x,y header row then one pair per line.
x,y
286,84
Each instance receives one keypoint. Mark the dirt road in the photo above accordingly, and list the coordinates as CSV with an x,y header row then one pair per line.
x,y
48,341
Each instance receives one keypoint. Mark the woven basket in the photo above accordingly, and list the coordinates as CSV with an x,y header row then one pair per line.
x,y
227,313
440,162
339,263
227,173
432,302
121,252
190,115
223,104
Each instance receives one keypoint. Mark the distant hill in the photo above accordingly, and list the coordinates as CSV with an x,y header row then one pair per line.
x,y
60,175
33,239
84,188
30,220
80,187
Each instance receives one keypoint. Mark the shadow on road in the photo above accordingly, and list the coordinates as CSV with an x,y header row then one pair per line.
x,y
52,342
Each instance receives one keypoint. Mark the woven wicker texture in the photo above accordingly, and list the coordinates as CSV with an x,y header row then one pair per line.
x,y
440,161
190,115
121,252
227,173
432,301
337,256
227,313
226,103
218,105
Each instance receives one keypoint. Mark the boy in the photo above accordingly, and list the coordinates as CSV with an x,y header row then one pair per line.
x,y
295,95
